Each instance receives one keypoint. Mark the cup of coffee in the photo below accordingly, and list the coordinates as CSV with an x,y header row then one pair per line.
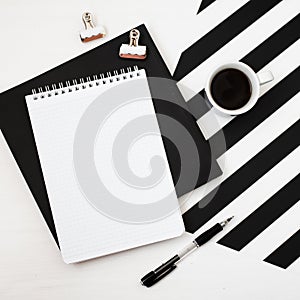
x,y
234,88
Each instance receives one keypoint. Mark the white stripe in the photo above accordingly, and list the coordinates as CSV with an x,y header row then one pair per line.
x,y
295,267
261,136
242,44
276,234
261,190
281,66
208,19
195,27
248,147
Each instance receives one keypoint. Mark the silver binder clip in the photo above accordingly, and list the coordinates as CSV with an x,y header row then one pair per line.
x,y
91,31
133,50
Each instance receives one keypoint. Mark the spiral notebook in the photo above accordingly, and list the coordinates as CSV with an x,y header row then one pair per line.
x,y
109,183
16,127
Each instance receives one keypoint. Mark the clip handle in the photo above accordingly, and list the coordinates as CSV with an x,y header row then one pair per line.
x,y
134,37
87,20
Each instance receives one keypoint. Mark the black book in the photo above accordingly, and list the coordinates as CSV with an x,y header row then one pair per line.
x,y
16,127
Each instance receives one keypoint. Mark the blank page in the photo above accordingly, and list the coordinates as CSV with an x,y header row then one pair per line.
x,y
104,166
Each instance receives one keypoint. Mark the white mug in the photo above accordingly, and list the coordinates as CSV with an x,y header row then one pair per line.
x,y
256,80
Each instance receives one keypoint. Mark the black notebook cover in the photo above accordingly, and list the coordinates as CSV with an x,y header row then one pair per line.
x,y
16,126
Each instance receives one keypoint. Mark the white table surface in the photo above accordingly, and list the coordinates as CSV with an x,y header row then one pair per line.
x,y
36,36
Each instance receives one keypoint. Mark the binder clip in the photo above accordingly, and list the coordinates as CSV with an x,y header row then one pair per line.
x,y
133,50
91,32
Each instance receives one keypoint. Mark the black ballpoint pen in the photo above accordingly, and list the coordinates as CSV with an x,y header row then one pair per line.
x,y
154,276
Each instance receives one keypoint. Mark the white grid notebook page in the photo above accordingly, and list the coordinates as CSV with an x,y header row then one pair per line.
x,y
84,230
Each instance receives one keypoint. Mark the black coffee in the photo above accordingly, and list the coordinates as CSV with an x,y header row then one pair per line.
x,y
231,89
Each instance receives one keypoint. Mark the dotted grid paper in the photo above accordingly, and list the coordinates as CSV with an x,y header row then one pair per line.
x,y
83,231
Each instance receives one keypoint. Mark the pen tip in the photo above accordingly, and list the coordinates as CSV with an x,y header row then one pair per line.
x,y
224,223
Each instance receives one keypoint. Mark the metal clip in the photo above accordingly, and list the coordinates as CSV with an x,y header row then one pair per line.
x,y
91,31
133,50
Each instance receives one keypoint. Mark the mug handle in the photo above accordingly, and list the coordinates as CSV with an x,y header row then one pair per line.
x,y
265,77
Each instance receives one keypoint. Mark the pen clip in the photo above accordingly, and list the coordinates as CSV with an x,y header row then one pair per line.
x,y
164,274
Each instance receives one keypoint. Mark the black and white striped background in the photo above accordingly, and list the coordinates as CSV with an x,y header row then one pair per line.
x,y
261,180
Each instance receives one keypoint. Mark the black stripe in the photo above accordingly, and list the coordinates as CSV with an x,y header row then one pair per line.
x,y
263,216
204,4
221,35
268,50
267,105
287,253
274,45
242,179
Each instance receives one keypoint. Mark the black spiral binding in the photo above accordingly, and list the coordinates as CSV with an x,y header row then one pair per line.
x,y
67,87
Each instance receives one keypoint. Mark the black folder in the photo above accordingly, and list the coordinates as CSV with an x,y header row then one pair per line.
x,y
16,127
